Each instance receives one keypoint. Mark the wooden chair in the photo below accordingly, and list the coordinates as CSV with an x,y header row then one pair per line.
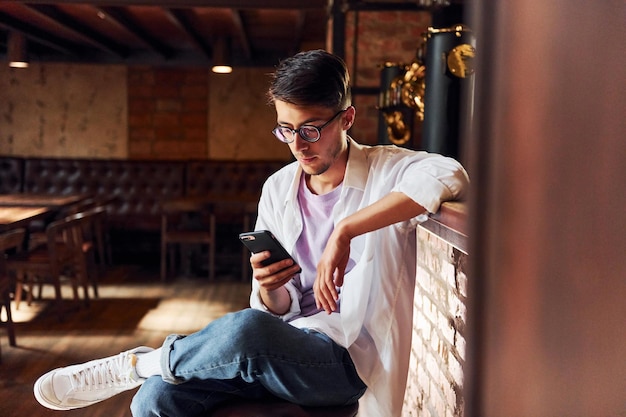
x,y
61,256
100,205
37,229
105,256
186,222
9,241
283,409
93,243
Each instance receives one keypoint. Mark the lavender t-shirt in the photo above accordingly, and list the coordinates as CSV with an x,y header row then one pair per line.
x,y
318,224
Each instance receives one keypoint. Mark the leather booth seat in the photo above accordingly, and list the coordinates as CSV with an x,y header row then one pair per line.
x,y
11,175
135,188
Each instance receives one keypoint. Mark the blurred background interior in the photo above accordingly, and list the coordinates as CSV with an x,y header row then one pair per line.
x,y
146,124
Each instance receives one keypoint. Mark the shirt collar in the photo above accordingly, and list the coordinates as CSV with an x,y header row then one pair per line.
x,y
356,170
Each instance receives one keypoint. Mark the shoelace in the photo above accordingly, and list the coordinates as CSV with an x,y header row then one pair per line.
x,y
104,374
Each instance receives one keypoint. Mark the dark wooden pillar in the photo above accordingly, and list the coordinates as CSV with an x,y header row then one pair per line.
x,y
547,213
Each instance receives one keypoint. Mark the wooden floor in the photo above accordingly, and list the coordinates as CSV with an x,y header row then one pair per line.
x,y
134,308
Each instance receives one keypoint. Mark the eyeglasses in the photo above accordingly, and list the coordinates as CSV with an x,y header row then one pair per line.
x,y
307,132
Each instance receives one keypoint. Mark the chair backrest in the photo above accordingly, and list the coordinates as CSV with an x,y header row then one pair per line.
x,y
82,205
186,205
95,233
68,231
191,214
92,220
13,239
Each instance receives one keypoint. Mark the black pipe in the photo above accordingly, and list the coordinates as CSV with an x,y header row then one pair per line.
x,y
444,93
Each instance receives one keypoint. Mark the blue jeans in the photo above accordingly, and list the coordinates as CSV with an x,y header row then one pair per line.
x,y
251,355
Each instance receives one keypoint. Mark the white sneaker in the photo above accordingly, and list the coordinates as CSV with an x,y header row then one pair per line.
x,y
82,385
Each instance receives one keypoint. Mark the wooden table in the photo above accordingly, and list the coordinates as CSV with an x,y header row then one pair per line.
x,y
20,216
40,200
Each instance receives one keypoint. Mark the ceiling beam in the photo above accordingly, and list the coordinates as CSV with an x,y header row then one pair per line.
x,y
37,35
117,17
243,35
178,17
183,4
79,29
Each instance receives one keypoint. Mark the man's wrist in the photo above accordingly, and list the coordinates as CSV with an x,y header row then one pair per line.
x,y
276,300
344,230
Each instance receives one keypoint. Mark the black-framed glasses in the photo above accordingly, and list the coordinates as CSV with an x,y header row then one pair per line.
x,y
309,133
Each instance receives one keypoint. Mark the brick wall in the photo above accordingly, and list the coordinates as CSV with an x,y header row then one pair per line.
x,y
168,107
372,39
435,381
167,113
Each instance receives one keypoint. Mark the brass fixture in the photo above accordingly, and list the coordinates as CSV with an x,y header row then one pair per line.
x,y
460,58
399,132
405,94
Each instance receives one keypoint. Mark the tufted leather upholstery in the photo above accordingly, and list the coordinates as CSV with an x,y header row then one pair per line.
x,y
137,186
234,178
11,175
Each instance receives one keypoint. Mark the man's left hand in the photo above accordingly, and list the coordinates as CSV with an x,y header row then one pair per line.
x,y
330,271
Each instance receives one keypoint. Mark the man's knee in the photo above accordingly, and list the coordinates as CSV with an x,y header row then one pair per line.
x,y
249,317
247,325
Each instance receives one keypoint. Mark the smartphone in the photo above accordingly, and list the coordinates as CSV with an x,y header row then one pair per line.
x,y
262,240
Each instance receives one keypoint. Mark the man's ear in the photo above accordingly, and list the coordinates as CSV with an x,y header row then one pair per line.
x,y
348,118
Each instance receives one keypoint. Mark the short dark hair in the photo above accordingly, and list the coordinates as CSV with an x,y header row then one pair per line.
x,y
312,78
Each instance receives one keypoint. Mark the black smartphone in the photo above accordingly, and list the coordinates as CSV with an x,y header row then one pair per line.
x,y
262,240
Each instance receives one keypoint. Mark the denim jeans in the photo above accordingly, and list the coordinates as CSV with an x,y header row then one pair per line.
x,y
251,355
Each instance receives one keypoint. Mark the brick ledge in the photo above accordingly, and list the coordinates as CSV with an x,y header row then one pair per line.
x,y
450,224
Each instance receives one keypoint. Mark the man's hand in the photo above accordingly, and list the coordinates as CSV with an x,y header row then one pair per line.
x,y
271,279
394,207
330,271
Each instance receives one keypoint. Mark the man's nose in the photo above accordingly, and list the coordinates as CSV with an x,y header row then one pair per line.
x,y
299,142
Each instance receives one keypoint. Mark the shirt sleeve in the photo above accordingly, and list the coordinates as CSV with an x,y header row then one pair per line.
x,y
294,308
432,180
266,220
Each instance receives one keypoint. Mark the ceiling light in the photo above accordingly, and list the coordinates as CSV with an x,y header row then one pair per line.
x,y
221,57
16,50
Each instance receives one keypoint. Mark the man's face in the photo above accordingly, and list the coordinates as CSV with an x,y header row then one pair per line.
x,y
318,157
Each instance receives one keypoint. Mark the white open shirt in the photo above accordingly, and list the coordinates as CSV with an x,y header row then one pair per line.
x,y
375,323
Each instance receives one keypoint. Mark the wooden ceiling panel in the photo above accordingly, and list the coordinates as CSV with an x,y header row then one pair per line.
x,y
214,22
89,18
272,24
163,32
158,22
23,16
